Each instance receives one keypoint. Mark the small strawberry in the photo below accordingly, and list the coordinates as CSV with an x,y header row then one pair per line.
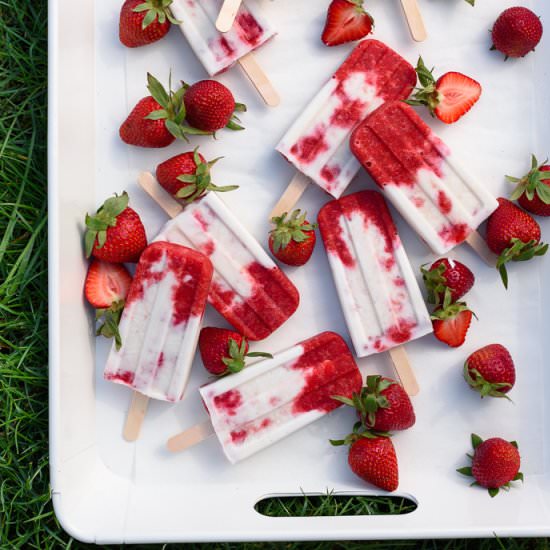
x,y
224,351
495,464
490,371
211,106
516,32
451,323
115,233
382,405
106,288
514,235
157,120
448,98
142,22
372,457
447,276
347,21
187,176
533,190
292,240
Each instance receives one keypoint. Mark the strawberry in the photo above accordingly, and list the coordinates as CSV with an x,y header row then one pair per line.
x,y
533,190
106,288
448,98
516,32
495,464
157,120
451,323
115,233
447,276
224,351
211,106
292,240
490,371
347,21
514,235
382,405
142,22
187,176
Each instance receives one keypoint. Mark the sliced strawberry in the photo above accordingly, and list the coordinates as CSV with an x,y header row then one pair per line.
x,y
457,93
106,283
347,21
452,323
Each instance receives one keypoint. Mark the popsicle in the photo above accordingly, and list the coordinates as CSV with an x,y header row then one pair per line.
x,y
227,15
248,288
379,294
414,20
420,176
317,144
219,51
160,323
268,401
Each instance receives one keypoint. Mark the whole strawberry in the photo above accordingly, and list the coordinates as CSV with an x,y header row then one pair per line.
x,y
224,351
447,276
157,120
187,176
514,235
106,288
449,98
533,190
516,32
347,21
382,405
142,22
292,240
490,371
211,106
495,464
115,233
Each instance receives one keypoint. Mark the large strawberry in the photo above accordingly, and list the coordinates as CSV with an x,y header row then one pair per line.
x,y
115,233
447,276
106,288
533,190
187,176
495,464
382,405
448,98
211,106
157,120
142,22
514,235
224,351
490,371
516,32
292,240
347,21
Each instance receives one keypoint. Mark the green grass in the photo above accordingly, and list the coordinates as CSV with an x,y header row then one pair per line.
x,y
26,515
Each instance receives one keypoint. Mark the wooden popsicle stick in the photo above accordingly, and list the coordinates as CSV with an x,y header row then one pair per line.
x,y
477,242
135,416
150,185
190,437
404,370
260,80
227,15
291,196
414,20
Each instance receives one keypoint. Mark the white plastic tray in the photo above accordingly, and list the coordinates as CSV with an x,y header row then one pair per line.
x,y
109,491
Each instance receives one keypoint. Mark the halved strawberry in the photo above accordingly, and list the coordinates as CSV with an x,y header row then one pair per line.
x,y
452,323
347,21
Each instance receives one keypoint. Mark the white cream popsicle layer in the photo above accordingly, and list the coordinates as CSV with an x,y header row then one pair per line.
x,y
272,399
417,172
379,294
317,144
161,322
218,51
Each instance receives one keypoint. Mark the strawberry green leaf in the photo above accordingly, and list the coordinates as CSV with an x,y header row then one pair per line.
x,y
466,471
156,89
259,354
493,492
159,114
476,441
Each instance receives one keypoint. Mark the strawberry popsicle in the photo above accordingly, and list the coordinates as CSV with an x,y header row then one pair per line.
x,y
419,175
380,297
318,142
161,321
248,288
272,399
